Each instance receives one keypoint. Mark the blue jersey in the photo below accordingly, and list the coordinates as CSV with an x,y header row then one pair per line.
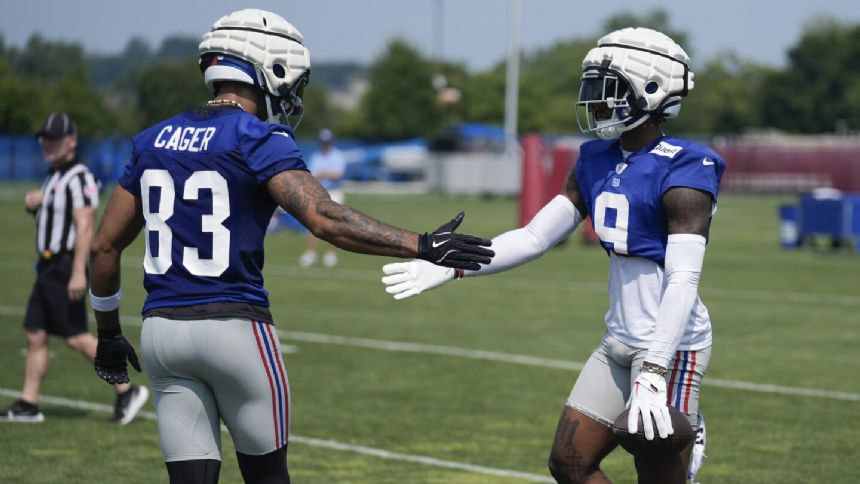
x,y
200,177
624,197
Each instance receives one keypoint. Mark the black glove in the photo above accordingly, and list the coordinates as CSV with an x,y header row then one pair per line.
x,y
446,248
111,354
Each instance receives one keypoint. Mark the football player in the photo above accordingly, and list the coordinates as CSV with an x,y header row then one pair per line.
x,y
651,197
203,185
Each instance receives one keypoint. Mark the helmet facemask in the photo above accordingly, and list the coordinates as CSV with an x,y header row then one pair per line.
x,y
605,105
289,103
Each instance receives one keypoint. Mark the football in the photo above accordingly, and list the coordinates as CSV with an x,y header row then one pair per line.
x,y
637,443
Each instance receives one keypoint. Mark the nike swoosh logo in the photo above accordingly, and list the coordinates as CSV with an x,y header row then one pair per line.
x,y
440,243
707,163
285,135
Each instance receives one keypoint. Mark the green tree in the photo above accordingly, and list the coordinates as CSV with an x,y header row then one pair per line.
x,y
319,113
451,78
24,102
46,60
17,116
118,72
401,102
74,94
484,96
723,99
817,90
549,88
165,90
852,100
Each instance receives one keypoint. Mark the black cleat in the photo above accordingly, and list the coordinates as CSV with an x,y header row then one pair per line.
x,y
22,411
129,403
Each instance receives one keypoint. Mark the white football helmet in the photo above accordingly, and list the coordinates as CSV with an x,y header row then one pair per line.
x,y
280,63
632,75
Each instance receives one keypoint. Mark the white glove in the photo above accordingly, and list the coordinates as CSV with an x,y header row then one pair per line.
x,y
649,398
407,279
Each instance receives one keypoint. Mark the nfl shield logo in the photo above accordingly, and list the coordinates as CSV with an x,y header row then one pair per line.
x,y
620,167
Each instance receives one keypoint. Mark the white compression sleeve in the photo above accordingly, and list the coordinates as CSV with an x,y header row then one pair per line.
x,y
685,254
555,221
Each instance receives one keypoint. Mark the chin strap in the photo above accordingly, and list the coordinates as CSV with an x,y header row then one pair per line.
x,y
288,104
288,108
290,101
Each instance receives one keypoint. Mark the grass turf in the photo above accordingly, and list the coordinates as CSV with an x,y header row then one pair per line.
x,y
786,318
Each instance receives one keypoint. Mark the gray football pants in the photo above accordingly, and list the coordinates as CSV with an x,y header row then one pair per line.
x,y
603,386
205,371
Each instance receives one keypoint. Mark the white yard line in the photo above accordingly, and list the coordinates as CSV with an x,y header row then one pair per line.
x,y
313,442
292,337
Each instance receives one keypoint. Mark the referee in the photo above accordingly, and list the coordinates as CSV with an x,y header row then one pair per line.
x,y
65,211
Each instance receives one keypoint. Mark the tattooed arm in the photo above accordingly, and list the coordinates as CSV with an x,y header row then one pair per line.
x,y
300,194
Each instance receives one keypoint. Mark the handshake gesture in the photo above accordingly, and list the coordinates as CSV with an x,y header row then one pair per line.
x,y
446,248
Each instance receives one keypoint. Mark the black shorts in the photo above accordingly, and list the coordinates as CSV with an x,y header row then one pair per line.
x,y
49,307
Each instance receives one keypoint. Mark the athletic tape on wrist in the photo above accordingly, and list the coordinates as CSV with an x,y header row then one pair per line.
x,y
105,304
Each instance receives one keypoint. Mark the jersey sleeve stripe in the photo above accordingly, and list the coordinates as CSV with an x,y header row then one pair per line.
x,y
91,190
76,191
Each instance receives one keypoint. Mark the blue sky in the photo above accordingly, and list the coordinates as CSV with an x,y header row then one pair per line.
x,y
474,31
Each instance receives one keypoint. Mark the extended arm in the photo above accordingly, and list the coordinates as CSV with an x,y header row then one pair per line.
x,y
120,225
300,194
552,224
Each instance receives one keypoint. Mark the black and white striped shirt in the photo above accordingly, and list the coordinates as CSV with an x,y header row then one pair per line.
x,y
64,190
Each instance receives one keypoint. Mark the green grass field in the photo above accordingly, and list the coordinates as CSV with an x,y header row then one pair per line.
x,y
429,389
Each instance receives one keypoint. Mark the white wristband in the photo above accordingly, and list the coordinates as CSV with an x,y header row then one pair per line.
x,y
105,304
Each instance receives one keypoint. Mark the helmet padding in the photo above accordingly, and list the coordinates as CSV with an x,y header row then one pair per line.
x,y
271,45
655,70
